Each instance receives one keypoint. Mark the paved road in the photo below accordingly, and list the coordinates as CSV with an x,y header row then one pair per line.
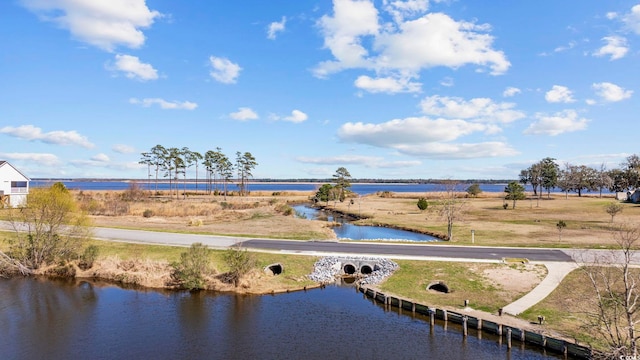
x,y
296,246
427,250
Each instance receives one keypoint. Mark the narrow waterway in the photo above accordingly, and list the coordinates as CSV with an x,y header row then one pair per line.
x,y
348,231
43,319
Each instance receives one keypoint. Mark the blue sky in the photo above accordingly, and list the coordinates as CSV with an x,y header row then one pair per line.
x,y
387,88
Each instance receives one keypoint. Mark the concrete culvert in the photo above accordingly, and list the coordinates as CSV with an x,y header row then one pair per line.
x,y
366,269
349,269
274,269
439,286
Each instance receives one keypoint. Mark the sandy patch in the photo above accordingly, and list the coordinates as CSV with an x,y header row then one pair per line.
x,y
520,278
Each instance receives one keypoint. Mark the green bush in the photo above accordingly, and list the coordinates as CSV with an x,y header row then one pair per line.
x,y
191,270
89,257
240,262
423,204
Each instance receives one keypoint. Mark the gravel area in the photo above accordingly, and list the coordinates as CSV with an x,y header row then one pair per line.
x,y
328,269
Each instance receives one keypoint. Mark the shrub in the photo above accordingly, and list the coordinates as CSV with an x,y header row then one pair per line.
x,y
240,262
423,204
89,257
474,190
147,213
284,209
192,268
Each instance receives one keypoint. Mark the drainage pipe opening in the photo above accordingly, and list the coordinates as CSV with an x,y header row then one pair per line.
x,y
275,269
366,269
438,286
349,269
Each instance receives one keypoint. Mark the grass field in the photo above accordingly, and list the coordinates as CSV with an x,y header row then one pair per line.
x,y
532,223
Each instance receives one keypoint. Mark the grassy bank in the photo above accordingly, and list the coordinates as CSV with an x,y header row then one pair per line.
x,y
488,287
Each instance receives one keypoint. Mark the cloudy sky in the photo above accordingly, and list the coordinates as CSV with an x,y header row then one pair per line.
x,y
386,88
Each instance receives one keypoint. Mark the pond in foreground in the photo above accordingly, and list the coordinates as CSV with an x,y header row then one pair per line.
x,y
42,319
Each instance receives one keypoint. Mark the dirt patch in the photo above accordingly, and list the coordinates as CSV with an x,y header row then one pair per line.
x,y
520,278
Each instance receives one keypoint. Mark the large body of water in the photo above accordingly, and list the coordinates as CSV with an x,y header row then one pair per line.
x,y
361,189
42,319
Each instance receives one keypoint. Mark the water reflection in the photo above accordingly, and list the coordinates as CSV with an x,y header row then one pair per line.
x,y
52,320
350,231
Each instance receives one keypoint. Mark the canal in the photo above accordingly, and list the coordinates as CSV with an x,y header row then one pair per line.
x,y
45,319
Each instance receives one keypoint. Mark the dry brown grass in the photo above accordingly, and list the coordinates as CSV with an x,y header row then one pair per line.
x,y
260,215
531,223
565,308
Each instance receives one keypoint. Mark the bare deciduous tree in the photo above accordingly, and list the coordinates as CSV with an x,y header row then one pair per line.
x,y
613,315
451,206
613,208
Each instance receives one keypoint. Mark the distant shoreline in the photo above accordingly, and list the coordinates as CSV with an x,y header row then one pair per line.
x,y
290,181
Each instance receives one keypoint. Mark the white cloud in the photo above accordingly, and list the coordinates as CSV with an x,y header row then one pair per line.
x,y
556,124
164,104
511,91
32,133
387,85
223,70
123,149
134,69
564,48
447,81
559,94
296,116
100,158
632,19
477,109
611,15
400,9
104,24
616,47
611,92
439,150
276,27
38,158
366,161
425,138
400,50
244,114
413,130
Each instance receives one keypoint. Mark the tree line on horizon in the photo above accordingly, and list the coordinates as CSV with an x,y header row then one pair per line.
x,y
174,162
546,174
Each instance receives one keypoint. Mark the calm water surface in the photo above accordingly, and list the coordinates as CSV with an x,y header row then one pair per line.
x,y
361,189
42,319
349,231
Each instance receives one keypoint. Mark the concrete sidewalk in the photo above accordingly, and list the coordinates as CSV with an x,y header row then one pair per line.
x,y
556,271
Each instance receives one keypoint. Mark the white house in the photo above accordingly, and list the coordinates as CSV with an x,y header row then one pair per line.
x,y
14,186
